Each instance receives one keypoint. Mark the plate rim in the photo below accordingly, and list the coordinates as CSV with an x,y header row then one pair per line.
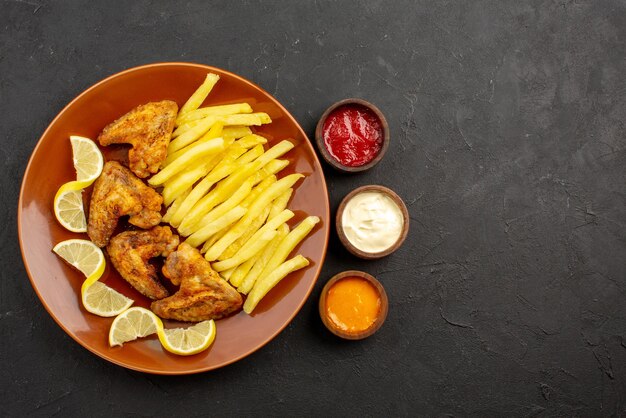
x,y
102,355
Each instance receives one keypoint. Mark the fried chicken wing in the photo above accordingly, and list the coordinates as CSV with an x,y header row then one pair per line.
x,y
131,251
116,193
203,294
148,128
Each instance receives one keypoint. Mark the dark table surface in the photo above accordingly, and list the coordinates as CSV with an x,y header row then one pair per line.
x,y
508,146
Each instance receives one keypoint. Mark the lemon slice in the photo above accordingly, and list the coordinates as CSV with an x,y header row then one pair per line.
x,y
97,297
101,300
133,323
88,160
188,341
69,211
82,254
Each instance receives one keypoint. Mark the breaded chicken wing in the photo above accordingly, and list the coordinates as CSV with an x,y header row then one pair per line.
x,y
148,128
117,192
203,294
131,251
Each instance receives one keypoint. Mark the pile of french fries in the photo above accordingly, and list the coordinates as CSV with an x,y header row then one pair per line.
x,y
222,193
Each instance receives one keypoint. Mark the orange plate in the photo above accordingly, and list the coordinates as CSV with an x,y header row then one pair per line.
x,y
58,285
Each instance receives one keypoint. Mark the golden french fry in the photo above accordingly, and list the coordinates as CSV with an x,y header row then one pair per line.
x,y
218,195
276,151
193,154
200,127
216,131
258,189
242,270
254,210
245,285
212,240
221,110
290,242
226,274
217,225
231,159
198,96
172,209
250,119
246,253
280,203
235,132
267,283
252,140
255,230
235,199
239,242
188,126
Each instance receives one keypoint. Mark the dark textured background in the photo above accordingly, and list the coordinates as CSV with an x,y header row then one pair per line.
x,y
508,146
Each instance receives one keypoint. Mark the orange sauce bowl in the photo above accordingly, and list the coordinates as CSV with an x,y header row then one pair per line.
x,y
353,305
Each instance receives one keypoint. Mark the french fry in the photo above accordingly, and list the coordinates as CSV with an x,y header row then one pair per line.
x,y
187,127
201,127
212,241
193,154
264,285
250,119
235,132
242,270
172,209
254,226
276,151
216,131
234,200
255,209
280,203
215,197
251,140
173,188
185,179
198,206
199,95
290,242
228,164
245,285
217,225
229,109
246,253
255,232
226,274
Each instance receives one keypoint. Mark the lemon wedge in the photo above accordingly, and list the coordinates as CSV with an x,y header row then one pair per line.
x,y
68,202
88,160
97,298
101,300
83,255
69,211
133,323
139,322
188,341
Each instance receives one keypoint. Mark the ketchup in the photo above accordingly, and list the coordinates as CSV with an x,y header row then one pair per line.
x,y
353,135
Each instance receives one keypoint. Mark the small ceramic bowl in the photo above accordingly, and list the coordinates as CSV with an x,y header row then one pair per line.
x,y
380,319
321,146
341,232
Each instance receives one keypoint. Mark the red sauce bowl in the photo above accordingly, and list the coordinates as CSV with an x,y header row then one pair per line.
x,y
366,153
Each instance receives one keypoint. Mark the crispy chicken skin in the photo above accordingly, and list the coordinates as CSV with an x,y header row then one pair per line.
x,y
203,294
117,192
130,251
148,128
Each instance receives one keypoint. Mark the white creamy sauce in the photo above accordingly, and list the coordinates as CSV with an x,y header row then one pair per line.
x,y
372,222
